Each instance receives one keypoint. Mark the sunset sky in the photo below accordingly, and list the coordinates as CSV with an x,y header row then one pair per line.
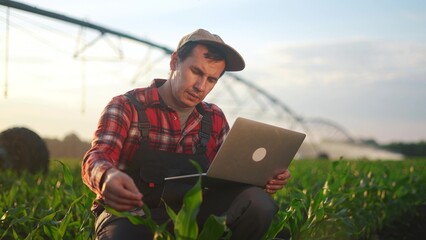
x,y
361,64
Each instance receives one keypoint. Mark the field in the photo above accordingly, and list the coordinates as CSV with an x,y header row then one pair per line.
x,y
323,200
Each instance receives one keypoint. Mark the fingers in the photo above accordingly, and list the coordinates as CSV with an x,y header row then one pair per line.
x,y
120,206
273,188
120,192
284,175
130,186
275,185
122,200
278,182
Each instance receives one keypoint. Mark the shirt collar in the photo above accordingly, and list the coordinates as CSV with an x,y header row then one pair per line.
x,y
152,98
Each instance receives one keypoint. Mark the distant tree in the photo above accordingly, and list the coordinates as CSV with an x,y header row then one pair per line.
x,y
408,149
70,147
370,142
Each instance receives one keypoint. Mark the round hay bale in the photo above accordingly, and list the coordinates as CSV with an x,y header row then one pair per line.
x,y
23,150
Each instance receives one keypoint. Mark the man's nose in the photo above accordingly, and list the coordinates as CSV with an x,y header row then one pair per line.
x,y
200,85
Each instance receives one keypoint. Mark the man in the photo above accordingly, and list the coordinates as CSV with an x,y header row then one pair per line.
x,y
150,133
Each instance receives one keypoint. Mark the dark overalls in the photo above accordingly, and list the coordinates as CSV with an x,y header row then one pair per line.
x,y
249,210
149,167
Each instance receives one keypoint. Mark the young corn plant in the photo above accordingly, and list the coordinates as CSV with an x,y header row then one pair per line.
x,y
38,206
349,199
184,221
323,200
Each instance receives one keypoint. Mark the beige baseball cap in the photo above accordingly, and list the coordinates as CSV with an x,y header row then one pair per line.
x,y
234,61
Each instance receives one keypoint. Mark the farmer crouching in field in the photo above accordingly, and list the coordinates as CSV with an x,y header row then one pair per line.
x,y
146,131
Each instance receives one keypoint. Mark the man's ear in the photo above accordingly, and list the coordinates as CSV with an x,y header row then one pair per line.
x,y
174,61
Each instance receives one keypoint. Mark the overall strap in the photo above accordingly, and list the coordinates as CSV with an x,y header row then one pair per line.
x,y
205,130
143,123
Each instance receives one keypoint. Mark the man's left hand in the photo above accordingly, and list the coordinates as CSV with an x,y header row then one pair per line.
x,y
278,182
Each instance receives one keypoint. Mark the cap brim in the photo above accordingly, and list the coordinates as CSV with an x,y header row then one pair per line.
x,y
234,61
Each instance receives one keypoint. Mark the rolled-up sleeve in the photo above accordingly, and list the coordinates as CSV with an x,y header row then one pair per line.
x,y
107,144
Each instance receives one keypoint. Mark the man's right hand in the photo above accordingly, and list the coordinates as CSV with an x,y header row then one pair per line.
x,y
119,191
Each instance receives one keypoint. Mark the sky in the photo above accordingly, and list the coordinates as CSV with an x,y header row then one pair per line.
x,y
361,64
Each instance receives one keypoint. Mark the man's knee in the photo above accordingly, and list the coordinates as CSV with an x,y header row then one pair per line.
x,y
251,214
260,203
253,204
109,227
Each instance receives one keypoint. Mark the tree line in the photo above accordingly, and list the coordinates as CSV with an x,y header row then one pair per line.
x,y
70,147
21,148
408,149
415,149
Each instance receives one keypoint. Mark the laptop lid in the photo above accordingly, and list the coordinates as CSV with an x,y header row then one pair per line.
x,y
254,152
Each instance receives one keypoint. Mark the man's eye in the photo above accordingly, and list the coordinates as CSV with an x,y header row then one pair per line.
x,y
197,72
212,80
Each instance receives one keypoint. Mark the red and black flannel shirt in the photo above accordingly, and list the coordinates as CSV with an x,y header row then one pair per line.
x,y
116,138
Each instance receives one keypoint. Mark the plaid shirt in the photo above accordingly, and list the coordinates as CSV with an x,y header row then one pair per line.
x,y
116,138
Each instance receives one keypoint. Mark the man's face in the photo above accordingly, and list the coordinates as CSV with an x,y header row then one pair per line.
x,y
193,78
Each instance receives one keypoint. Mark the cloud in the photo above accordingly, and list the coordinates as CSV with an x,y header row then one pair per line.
x,y
359,60
370,87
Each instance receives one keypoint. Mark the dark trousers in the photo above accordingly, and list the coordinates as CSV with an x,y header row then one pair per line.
x,y
249,212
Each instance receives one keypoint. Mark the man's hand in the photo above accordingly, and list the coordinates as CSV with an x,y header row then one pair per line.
x,y
119,191
278,182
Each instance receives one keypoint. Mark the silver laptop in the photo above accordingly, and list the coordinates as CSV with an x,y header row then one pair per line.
x,y
252,153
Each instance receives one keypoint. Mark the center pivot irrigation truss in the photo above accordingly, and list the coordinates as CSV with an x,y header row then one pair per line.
x,y
236,95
